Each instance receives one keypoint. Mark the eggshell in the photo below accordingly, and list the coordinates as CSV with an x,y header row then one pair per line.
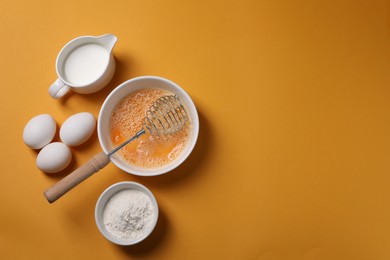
x,y
39,131
77,129
54,157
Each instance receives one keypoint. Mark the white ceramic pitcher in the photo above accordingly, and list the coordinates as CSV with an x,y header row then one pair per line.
x,y
85,65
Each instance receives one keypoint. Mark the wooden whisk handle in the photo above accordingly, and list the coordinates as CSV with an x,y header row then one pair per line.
x,y
96,163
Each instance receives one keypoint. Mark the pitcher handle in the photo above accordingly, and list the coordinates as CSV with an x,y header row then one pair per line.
x,y
58,89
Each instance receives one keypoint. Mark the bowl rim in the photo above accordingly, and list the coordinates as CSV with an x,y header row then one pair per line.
x,y
166,168
107,194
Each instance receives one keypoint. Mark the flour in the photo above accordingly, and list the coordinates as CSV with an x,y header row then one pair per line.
x,y
128,214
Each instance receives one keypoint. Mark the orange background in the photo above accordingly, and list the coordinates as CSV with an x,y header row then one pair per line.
x,y
293,157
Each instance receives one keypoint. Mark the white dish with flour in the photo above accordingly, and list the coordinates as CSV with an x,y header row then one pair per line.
x,y
126,213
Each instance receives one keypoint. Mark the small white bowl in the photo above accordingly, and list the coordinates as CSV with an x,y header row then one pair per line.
x,y
102,201
130,86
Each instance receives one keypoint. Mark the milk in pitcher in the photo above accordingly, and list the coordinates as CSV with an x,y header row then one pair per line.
x,y
85,64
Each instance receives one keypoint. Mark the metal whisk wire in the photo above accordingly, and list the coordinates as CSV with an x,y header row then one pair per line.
x,y
166,116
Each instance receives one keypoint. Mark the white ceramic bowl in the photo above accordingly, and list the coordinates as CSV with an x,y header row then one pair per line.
x,y
123,90
106,195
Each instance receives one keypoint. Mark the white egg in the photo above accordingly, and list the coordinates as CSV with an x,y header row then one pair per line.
x,y
54,157
77,129
39,131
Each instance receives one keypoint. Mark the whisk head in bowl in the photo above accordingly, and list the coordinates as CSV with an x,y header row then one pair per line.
x,y
166,116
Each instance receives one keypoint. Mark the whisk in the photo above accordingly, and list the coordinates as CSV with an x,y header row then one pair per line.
x,y
166,116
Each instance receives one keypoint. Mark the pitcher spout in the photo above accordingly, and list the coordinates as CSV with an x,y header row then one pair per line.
x,y
108,41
